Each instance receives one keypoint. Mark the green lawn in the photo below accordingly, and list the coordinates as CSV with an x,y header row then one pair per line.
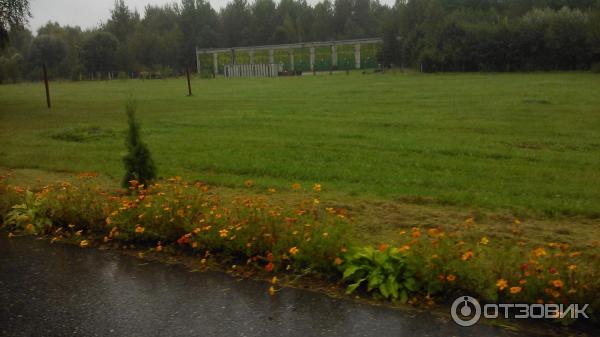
x,y
519,142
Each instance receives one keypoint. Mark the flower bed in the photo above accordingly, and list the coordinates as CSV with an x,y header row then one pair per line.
x,y
429,263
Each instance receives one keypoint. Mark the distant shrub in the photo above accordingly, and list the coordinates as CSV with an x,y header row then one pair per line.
x,y
138,162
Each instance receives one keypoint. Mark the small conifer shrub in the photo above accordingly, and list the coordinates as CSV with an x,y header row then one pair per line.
x,y
138,160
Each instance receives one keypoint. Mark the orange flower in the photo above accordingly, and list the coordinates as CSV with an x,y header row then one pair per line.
x,y
294,251
274,280
539,252
557,283
501,284
317,187
404,248
451,278
515,290
272,291
338,261
572,267
383,247
467,255
269,267
84,243
223,233
139,229
296,186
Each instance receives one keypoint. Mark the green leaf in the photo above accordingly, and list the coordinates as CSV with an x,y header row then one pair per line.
x,y
403,296
351,288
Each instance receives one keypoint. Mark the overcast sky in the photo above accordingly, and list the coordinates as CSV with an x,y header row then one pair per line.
x,y
89,13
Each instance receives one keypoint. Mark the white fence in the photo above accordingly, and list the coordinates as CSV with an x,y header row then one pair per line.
x,y
252,70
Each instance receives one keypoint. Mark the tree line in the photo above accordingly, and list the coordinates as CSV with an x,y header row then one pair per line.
x,y
431,35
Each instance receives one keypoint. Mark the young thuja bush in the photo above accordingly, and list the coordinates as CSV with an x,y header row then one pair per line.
x,y
138,161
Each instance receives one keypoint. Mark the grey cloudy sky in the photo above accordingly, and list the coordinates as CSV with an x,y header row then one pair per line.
x,y
89,13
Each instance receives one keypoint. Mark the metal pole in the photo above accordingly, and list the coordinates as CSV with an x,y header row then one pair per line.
x,y
47,87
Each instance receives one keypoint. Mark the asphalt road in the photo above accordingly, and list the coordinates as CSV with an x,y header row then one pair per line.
x,y
59,290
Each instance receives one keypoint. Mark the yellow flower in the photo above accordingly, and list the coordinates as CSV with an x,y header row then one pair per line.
x,y
296,186
325,235
223,233
78,233
316,201
317,187
274,280
517,222
83,243
272,190
484,240
203,261
272,290
139,229
451,278
515,290
539,252
572,267
557,283
501,284
294,251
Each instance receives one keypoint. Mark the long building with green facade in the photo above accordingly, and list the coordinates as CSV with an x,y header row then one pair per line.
x,y
310,56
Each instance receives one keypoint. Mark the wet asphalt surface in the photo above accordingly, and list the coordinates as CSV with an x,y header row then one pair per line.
x,y
61,290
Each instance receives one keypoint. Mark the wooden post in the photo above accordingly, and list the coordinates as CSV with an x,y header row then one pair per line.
x,y
47,87
187,71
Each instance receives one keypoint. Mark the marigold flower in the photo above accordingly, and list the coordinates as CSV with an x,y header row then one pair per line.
x,y
467,255
557,283
451,278
272,291
317,187
539,252
383,247
223,233
515,290
274,280
83,243
159,247
139,229
501,284
338,261
296,186
404,248
294,251
572,267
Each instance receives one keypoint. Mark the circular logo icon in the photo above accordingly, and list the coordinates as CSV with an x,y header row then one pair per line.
x,y
465,311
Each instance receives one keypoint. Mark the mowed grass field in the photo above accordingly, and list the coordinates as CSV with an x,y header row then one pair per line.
x,y
523,143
